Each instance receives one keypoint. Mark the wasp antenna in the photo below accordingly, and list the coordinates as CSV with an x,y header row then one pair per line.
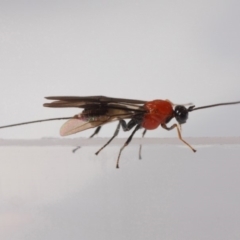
x,y
36,121
192,108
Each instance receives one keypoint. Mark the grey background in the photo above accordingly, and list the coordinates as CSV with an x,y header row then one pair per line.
x,y
185,51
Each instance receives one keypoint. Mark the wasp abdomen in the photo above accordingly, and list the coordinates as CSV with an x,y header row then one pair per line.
x,y
93,114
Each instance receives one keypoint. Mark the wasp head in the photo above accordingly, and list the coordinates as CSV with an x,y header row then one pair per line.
x,y
181,114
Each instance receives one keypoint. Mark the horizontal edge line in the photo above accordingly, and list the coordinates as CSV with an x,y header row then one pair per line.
x,y
117,141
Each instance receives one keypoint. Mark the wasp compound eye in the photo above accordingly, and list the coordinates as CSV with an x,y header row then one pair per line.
x,y
181,114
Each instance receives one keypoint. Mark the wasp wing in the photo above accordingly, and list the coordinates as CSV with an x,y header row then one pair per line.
x,y
96,101
78,124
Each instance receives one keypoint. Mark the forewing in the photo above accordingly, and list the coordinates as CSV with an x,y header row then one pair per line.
x,y
65,104
96,101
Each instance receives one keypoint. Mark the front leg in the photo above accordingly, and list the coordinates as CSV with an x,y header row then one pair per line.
x,y
179,133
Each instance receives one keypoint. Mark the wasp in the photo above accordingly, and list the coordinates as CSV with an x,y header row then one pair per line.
x,y
130,114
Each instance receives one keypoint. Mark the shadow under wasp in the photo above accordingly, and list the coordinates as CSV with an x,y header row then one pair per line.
x,y
100,110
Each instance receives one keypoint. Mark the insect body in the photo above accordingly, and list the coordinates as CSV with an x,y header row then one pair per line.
x,y
130,113
101,110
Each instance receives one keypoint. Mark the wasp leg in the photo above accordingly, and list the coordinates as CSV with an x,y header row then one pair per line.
x,y
126,143
75,149
114,135
179,134
126,127
140,147
94,133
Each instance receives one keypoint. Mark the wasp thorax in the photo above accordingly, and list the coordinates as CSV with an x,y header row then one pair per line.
x,y
181,114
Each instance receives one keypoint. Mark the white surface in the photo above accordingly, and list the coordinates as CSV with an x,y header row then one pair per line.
x,y
49,193
185,51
